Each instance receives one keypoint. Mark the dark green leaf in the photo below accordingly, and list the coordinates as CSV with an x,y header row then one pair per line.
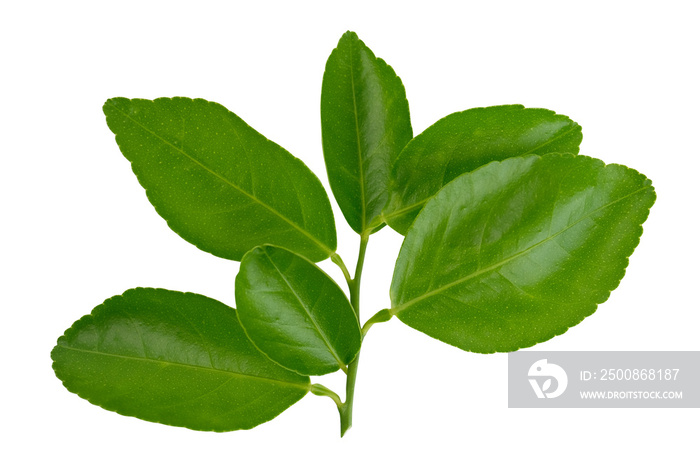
x,y
220,184
464,141
176,358
518,251
365,122
295,313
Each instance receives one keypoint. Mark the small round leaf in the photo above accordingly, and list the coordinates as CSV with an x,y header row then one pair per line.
x,y
295,313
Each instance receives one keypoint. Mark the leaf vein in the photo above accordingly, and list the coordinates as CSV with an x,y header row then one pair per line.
x,y
191,366
401,307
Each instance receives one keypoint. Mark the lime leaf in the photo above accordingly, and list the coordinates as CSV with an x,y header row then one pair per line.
x,y
218,183
180,359
518,251
295,313
365,124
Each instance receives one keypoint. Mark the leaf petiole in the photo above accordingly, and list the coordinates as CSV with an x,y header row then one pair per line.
x,y
321,390
337,260
382,316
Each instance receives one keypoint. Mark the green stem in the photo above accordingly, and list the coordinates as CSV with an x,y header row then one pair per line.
x,y
354,284
355,287
346,409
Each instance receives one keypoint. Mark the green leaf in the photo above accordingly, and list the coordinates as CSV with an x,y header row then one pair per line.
x,y
295,313
220,184
464,141
518,251
180,359
365,124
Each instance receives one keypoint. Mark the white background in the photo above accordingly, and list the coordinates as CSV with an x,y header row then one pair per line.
x,y
77,227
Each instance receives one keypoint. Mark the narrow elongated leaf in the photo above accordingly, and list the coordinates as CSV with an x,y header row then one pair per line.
x,y
464,141
176,358
295,313
518,251
365,123
220,184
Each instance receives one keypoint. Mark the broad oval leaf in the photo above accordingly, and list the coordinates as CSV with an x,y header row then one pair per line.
x,y
365,124
220,184
464,141
180,359
295,313
518,251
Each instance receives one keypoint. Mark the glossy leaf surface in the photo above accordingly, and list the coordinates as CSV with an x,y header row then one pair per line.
x,y
176,358
464,141
220,184
295,313
365,123
518,251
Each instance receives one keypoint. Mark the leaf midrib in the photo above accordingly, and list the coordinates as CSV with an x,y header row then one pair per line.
x,y
553,140
359,142
400,308
323,247
188,366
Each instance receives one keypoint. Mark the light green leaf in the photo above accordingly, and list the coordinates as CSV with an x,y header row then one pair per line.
x,y
180,359
518,251
295,313
464,141
365,123
220,184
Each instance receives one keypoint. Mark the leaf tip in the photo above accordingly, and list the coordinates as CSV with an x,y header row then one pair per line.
x,y
113,102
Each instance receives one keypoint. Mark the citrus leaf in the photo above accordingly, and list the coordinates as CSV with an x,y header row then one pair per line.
x,y
365,124
220,184
295,313
180,359
518,251
464,141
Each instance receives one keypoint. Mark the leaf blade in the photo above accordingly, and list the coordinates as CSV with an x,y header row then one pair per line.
x,y
522,250
365,124
174,358
218,183
462,142
294,313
